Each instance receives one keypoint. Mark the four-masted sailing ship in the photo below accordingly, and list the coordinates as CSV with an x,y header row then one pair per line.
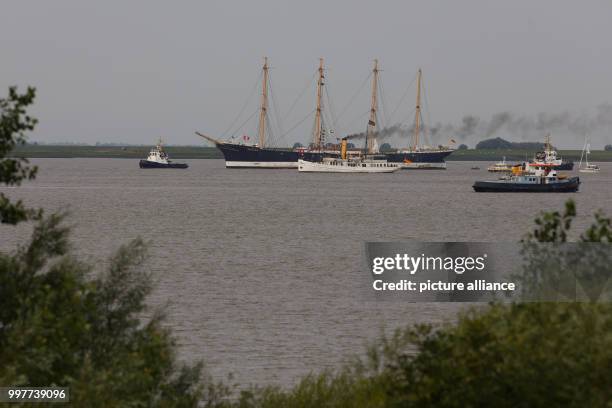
x,y
260,155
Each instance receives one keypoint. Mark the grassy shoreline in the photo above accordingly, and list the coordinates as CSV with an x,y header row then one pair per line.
x,y
197,152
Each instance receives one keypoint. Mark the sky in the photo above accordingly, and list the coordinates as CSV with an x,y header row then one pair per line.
x,y
134,71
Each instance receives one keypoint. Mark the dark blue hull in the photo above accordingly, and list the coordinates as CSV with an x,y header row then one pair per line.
x,y
145,164
243,156
570,185
566,165
420,160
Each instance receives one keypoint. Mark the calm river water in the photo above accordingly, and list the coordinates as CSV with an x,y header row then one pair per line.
x,y
257,267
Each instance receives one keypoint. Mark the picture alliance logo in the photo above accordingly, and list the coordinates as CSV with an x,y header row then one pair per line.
x,y
414,264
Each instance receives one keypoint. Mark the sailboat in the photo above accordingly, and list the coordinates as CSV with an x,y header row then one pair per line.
x,y
260,155
588,167
418,156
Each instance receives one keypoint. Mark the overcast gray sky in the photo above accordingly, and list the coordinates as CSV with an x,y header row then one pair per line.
x,y
131,71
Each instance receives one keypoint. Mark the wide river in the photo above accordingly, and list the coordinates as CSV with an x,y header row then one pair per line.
x,y
257,267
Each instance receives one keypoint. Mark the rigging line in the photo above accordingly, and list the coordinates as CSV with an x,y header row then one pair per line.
x,y
275,107
334,119
302,92
402,98
382,103
410,115
243,106
328,125
243,123
361,116
271,136
428,125
300,122
353,98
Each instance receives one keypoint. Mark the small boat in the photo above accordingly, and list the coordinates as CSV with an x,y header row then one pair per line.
x,y
475,168
540,178
500,167
347,165
588,167
158,159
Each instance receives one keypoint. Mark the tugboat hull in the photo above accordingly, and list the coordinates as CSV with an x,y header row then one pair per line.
x,y
146,164
570,185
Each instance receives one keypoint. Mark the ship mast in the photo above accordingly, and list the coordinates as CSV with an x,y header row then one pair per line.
x,y
371,142
261,131
417,113
317,129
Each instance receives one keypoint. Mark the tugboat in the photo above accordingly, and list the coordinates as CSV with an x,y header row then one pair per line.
x,y
158,159
549,156
541,178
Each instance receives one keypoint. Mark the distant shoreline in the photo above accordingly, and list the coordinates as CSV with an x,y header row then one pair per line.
x,y
32,151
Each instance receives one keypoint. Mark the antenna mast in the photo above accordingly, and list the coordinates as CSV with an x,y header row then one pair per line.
x,y
261,131
317,129
371,142
417,113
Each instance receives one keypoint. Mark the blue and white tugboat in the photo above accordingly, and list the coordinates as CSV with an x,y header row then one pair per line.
x,y
158,159
534,178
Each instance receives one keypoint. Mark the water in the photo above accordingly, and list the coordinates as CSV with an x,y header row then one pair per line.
x,y
258,267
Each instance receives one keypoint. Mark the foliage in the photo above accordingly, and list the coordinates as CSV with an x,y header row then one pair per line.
x,y
608,148
462,146
385,147
61,325
528,355
14,122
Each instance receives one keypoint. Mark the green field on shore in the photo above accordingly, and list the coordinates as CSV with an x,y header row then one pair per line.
x,y
197,152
